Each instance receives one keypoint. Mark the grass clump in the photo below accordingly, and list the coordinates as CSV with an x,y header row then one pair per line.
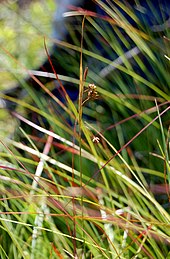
x,y
90,179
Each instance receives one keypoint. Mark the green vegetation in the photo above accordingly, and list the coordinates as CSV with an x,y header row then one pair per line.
x,y
90,179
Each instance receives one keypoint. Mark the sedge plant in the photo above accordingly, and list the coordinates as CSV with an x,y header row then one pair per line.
x,y
90,178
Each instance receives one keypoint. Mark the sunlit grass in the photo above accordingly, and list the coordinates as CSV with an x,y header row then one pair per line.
x,y
90,179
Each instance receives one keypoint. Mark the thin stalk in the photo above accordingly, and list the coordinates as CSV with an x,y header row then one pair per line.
x,y
81,90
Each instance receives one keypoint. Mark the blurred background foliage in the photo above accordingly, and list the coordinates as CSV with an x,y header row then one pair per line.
x,y
23,26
